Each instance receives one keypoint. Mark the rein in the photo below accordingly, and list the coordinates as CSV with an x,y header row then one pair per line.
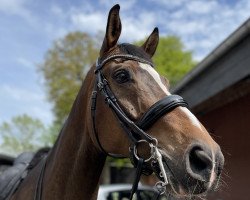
x,y
39,185
135,130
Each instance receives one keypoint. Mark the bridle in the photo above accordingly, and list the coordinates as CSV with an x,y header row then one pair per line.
x,y
135,130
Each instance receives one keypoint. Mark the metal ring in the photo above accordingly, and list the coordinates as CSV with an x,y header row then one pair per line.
x,y
155,141
151,150
161,187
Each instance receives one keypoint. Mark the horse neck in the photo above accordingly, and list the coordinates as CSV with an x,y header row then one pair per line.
x,y
74,164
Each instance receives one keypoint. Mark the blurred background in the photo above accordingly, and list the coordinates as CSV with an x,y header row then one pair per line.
x,y
47,47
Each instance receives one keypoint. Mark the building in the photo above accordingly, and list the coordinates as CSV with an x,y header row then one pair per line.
x,y
218,92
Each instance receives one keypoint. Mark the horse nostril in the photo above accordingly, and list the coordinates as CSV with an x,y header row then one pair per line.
x,y
199,164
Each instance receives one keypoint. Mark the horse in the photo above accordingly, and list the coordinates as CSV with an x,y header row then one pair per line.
x,y
124,108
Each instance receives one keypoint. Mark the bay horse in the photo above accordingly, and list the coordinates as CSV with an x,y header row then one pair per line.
x,y
124,107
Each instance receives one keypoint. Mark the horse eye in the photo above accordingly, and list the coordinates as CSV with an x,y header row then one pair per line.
x,y
121,76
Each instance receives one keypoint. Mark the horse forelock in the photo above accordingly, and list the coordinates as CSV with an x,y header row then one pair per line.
x,y
133,50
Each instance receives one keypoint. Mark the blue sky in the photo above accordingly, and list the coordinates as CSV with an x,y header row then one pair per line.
x,y
28,28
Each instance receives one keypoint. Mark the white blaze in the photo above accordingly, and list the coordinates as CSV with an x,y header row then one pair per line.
x,y
155,76
192,118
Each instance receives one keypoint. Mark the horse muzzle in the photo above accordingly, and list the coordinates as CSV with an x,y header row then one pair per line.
x,y
201,173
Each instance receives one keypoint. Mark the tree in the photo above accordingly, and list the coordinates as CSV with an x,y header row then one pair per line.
x,y
171,60
23,133
49,137
64,69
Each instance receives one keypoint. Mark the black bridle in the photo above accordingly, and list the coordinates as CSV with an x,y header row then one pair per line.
x,y
134,130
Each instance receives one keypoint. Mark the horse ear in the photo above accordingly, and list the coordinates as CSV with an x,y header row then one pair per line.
x,y
113,29
151,43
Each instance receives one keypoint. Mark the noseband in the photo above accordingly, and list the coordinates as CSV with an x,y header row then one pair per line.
x,y
135,130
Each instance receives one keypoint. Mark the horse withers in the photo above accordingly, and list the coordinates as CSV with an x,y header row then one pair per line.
x,y
124,108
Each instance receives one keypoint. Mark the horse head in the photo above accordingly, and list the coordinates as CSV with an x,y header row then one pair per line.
x,y
192,160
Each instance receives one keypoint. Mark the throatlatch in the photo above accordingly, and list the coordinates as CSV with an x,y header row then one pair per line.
x,y
136,130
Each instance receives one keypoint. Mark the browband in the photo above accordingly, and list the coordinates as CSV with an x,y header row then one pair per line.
x,y
99,64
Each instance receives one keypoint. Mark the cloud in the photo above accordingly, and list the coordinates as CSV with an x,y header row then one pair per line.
x,y
185,27
56,10
89,21
202,26
201,7
133,28
17,101
20,94
169,4
15,7
25,62
53,32
12,6
193,21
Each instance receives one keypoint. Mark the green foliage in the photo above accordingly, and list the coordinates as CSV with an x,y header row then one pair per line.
x,y
50,135
64,69
171,59
23,133
119,162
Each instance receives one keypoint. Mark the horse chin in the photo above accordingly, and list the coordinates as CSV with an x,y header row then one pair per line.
x,y
179,190
182,185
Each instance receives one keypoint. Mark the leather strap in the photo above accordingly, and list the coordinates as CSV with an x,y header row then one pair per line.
x,y
99,65
159,109
137,177
39,185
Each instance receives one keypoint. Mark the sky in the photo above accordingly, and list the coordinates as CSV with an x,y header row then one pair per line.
x,y
28,28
